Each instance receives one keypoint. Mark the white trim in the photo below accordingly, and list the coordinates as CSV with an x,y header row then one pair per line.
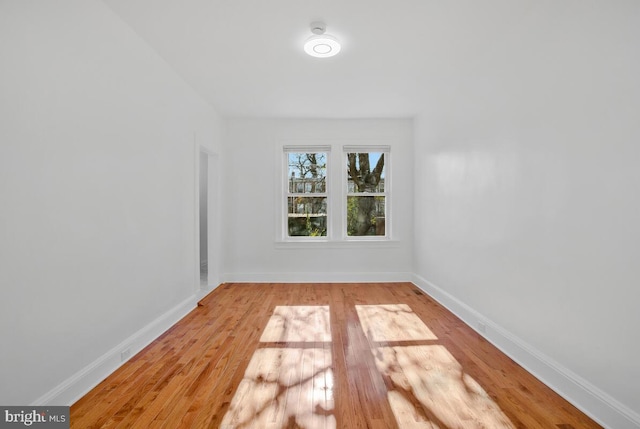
x,y
80,383
362,243
284,186
302,148
600,406
196,224
319,277
204,291
351,148
213,231
592,401
335,178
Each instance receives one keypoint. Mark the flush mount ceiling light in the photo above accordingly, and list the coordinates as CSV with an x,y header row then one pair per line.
x,y
321,45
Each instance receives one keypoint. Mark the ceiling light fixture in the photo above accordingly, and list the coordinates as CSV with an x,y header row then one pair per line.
x,y
321,45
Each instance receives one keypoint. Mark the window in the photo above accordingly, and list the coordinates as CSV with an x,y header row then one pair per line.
x,y
355,208
366,201
307,193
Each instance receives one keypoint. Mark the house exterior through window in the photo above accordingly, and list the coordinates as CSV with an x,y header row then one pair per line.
x,y
307,194
355,209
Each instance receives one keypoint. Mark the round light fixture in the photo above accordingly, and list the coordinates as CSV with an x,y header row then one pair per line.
x,y
321,45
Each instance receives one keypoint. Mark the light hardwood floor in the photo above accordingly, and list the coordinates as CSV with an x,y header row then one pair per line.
x,y
362,355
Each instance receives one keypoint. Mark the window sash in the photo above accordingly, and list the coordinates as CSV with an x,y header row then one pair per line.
x,y
309,196
334,194
347,194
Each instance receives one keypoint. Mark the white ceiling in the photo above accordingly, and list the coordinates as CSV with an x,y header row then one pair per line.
x,y
398,58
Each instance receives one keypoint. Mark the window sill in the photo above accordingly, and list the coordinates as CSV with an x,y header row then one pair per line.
x,y
384,243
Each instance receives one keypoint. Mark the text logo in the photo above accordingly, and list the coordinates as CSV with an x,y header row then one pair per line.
x,y
50,417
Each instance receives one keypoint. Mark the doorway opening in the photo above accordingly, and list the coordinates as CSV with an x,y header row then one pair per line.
x,y
208,228
204,218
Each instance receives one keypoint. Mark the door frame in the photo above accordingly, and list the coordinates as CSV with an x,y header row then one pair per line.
x,y
213,225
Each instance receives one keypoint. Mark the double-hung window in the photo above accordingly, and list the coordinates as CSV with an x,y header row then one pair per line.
x,y
367,189
307,191
355,207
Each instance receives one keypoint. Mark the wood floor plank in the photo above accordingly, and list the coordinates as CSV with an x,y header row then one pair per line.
x,y
322,356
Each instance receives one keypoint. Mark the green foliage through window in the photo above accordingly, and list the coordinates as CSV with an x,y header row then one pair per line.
x,y
365,194
307,200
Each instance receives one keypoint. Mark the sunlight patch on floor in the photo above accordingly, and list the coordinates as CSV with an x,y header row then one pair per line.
x,y
289,386
392,322
304,323
430,390
282,386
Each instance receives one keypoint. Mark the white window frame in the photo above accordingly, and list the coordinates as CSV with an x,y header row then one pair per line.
x,y
335,193
284,218
386,150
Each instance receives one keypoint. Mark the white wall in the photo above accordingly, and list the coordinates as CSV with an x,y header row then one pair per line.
x,y
527,198
252,182
97,187
526,194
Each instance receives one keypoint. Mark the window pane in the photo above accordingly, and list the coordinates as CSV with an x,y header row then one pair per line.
x,y
307,172
365,172
365,216
307,216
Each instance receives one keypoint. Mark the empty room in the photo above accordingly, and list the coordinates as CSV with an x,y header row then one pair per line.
x,y
320,214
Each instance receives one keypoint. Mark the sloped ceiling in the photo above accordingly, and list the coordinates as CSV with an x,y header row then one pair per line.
x,y
399,58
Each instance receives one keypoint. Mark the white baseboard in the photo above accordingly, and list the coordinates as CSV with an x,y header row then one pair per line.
x,y
597,404
320,277
76,386
600,406
205,290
